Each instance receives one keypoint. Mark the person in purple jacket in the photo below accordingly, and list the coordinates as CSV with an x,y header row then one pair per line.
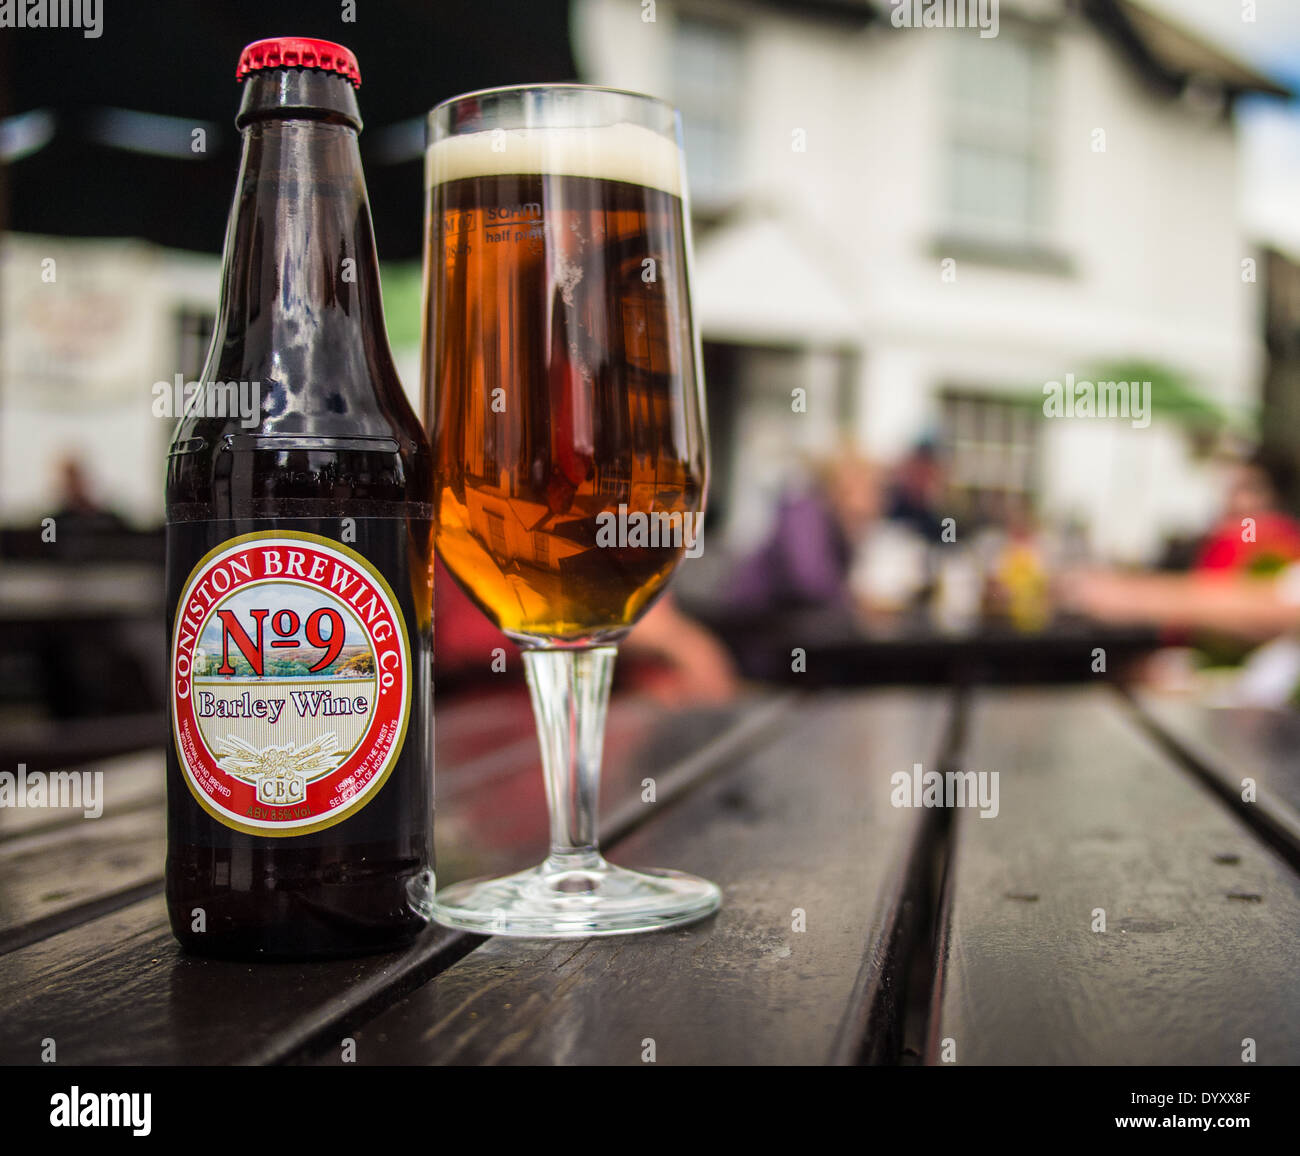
x,y
809,552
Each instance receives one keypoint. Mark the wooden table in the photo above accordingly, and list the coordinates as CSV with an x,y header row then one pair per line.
x,y
840,650
852,930
81,647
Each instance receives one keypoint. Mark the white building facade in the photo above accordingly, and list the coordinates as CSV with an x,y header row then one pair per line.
x,y
922,227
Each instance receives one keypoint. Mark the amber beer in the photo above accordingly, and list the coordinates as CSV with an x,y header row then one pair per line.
x,y
299,774
561,347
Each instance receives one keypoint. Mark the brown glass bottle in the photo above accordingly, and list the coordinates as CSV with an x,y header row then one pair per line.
x,y
300,792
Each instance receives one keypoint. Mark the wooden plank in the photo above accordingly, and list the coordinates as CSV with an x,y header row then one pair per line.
x,y
804,822
493,811
1226,746
56,879
1202,939
130,782
118,989
58,868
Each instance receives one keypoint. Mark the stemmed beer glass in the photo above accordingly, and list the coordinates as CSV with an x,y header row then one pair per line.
x,y
561,370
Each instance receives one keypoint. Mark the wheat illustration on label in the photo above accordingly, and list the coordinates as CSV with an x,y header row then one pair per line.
x,y
280,773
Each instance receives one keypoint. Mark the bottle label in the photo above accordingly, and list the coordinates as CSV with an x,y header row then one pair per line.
x,y
290,682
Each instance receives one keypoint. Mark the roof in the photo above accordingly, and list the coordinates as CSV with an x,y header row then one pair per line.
x,y
1175,52
754,281
1157,44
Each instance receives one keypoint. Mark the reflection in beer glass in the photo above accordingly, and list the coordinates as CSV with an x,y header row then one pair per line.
x,y
563,397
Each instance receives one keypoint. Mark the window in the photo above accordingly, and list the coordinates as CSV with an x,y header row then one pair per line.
x,y
990,445
706,87
497,534
999,137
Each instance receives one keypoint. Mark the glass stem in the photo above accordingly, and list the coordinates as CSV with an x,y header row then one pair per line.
x,y
570,692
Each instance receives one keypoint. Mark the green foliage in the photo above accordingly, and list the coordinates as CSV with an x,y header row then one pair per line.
x,y
1172,394
286,668
401,284
1173,397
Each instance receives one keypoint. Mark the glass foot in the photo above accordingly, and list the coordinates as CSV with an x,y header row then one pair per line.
x,y
558,901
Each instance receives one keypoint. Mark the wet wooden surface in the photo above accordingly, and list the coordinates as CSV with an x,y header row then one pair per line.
x,y
115,988
814,863
853,929
1114,912
1250,757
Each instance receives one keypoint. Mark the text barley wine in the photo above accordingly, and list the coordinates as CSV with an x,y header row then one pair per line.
x,y
299,774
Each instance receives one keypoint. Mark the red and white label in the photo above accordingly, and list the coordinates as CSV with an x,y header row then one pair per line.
x,y
291,682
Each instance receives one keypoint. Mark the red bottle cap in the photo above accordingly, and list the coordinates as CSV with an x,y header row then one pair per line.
x,y
298,52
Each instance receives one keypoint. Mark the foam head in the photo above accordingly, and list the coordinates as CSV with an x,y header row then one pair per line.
x,y
614,152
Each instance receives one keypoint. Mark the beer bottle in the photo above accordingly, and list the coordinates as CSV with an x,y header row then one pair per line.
x,y
299,772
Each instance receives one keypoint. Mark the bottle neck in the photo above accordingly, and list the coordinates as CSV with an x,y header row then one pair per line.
x,y
301,307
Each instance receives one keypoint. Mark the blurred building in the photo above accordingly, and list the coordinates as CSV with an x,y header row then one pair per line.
x,y
1280,409
920,227
118,158
916,227
89,326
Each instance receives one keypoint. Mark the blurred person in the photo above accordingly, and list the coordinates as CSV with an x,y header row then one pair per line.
x,y
916,491
678,660
77,511
1245,586
1261,611
1017,589
1253,503
904,564
667,655
1250,608
808,557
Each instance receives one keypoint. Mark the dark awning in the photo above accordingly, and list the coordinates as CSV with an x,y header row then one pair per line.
x,y
106,170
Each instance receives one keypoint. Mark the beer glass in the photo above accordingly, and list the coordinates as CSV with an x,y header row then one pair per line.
x,y
562,388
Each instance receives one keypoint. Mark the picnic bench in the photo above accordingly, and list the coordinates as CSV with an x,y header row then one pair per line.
x,y
1124,906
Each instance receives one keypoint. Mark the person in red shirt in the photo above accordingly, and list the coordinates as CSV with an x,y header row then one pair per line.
x,y
1243,591
1253,536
